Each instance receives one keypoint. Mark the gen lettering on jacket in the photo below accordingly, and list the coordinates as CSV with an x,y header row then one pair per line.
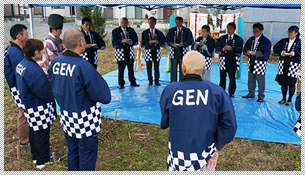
x,y
20,69
63,69
190,99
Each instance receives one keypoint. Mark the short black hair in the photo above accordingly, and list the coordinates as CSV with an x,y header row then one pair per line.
x,y
259,26
232,24
179,18
86,20
153,18
17,29
206,27
51,28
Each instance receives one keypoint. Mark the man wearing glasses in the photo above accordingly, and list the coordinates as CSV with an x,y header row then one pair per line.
x,y
257,48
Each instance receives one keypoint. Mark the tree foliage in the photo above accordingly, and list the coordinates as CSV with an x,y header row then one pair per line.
x,y
98,21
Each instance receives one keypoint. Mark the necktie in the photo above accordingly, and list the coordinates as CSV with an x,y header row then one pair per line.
x,y
125,33
152,34
179,36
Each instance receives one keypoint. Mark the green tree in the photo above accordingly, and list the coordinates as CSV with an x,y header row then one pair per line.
x,y
98,21
216,13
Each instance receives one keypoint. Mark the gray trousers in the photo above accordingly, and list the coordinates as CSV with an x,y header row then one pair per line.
x,y
204,168
206,75
252,78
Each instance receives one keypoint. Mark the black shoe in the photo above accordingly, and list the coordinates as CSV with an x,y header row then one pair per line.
x,y
135,85
247,96
282,101
150,83
232,95
157,83
259,100
121,86
288,103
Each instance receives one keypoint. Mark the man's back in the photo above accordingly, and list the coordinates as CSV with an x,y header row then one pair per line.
x,y
198,113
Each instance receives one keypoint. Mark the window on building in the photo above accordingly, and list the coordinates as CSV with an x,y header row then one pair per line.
x,y
72,10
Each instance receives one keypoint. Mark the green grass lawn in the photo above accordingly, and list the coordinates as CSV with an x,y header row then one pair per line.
x,y
131,146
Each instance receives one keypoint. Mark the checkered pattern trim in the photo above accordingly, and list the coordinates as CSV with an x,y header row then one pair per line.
x,y
293,69
172,52
208,62
280,69
297,127
40,117
16,95
260,67
185,50
84,56
147,55
119,54
237,62
222,63
95,58
180,161
82,125
132,55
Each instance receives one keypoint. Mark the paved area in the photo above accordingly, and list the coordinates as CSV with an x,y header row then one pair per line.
x,y
41,29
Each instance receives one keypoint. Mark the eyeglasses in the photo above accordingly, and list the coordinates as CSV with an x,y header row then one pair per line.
x,y
255,31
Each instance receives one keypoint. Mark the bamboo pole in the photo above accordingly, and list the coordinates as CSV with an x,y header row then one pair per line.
x,y
54,157
18,151
116,114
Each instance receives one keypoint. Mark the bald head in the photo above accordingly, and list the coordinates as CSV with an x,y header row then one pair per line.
x,y
72,38
193,63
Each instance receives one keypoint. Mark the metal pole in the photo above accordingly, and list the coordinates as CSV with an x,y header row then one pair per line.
x,y
31,21
271,31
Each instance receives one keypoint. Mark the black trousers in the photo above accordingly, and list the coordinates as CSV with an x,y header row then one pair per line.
x,y
232,84
149,70
40,148
131,76
174,64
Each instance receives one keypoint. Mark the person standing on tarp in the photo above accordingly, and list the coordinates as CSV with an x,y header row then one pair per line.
x,y
79,89
297,126
230,46
200,117
13,55
205,45
53,46
289,50
93,43
178,39
257,48
152,39
123,40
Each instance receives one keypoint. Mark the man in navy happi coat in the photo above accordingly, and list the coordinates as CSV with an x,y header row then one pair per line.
x,y
123,40
200,117
152,39
79,89
178,39
230,46
257,48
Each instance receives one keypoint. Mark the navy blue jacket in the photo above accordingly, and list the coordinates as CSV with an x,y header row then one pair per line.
x,y
198,114
79,89
36,94
13,55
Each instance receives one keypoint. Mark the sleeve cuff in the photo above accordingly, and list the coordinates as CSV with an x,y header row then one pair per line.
x,y
219,146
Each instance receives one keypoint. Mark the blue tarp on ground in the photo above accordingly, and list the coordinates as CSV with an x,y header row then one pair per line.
x,y
267,121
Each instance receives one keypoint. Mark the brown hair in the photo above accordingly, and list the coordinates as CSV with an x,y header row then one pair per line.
x,y
30,46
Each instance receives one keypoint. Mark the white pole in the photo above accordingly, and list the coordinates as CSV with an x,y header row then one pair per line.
x,y
31,21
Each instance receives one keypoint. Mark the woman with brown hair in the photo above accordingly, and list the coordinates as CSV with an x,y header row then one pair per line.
x,y
36,94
